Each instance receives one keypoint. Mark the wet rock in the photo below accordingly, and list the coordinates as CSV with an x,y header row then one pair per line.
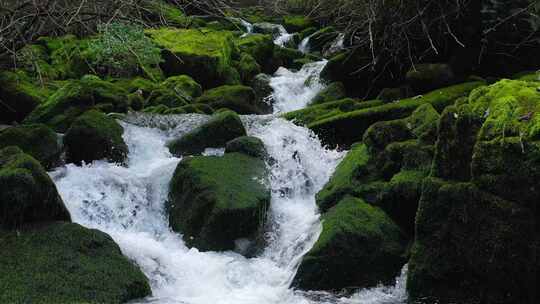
x,y
38,140
222,128
359,246
95,136
334,91
248,145
240,99
27,194
89,265
217,200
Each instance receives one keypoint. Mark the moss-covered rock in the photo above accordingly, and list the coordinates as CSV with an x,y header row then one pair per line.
x,y
334,91
321,39
428,77
394,94
382,133
223,127
217,200
240,99
27,194
202,54
247,67
184,85
261,87
66,263
297,23
345,129
74,98
95,136
465,240
286,56
68,55
248,145
259,46
38,140
18,97
359,246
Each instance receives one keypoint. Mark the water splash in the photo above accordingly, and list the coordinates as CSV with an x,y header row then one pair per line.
x,y
304,46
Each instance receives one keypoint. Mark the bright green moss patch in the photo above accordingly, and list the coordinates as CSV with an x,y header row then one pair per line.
x,y
344,179
216,200
66,263
296,23
355,236
345,129
164,12
511,108
203,54
260,46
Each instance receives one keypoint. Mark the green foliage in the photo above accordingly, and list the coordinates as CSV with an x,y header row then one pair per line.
x,y
124,50
66,263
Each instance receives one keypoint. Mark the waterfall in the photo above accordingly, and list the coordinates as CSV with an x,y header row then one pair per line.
x,y
304,45
128,202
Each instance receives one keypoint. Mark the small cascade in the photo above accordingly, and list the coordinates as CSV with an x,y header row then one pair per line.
x,y
304,45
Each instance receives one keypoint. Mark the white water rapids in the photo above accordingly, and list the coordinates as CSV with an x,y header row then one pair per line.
x,y
128,203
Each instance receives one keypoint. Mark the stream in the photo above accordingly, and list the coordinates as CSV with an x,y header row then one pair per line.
x,y
128,203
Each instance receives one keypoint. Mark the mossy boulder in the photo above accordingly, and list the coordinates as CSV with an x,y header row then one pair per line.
x,y
66,263
322,38
297,23
261,87
465,240
334,91
27,194
214,201
347,128
428,77
259,46
95,136
220,129
359,246
75,98
38,140
240,99
285,57
247,67
18,97
203,54
394,94
248,145
184,85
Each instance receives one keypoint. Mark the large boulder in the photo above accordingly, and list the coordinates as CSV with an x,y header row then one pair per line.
x,y
259,46
240,99
95,136
75,98
27,194
359,246
334,91
247,67
477,215
175,91
248,145
18,97
220,129
203,54
66,263
37,140
214,201
297,23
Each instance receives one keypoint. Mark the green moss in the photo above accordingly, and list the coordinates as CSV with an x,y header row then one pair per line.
x,y
406,155
296,23
314,113
223,127
334,91
423,123
260,46
20,94
382,133
95,136
344,129
74,98
286,56
160,109
68,55
240,99
168,14
66,263
191,108
38,141
183,84
322,38
216,200
248,145
27,194
511,108
344,179
200,53
465,239
248,68
355,236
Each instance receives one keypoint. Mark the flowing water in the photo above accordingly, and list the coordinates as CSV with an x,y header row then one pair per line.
x,y
128,203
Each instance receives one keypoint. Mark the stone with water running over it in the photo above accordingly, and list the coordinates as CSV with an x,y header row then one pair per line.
x,y
214,201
